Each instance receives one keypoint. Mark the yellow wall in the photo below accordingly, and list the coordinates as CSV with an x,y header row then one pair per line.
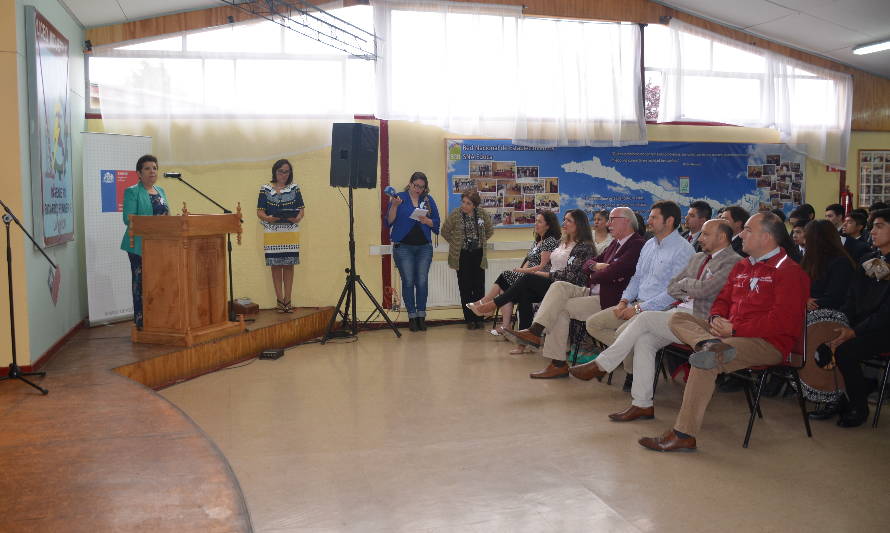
x,y
232,171
10,154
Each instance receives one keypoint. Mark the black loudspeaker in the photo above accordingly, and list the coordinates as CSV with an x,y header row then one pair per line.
x,y
354,155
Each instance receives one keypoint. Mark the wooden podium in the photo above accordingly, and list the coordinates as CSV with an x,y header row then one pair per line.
x,y
184,299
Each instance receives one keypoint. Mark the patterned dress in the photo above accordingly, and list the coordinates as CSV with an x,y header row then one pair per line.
x,y
281,240
532,259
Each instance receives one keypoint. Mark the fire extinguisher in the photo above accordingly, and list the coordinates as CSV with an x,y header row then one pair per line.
x,y
847,200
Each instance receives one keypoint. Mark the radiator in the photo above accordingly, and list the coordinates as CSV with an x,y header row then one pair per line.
x,y
443,280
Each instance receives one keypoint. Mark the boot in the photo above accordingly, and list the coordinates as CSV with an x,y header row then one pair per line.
x,y
421,324
412,324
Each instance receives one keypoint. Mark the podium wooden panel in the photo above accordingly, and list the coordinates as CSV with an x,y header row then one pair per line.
x,y
184,278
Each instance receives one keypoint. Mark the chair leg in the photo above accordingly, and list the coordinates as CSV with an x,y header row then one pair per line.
x,y
609,380
747,390
800,398
881,392
659,361
755,409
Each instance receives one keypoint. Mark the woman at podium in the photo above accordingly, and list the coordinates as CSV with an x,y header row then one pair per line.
x,y
146,199
280,209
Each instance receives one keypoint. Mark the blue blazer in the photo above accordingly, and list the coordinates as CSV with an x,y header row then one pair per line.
x,y
137,202
403,222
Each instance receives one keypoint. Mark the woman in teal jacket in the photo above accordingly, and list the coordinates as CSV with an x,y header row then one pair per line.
x,y
144,198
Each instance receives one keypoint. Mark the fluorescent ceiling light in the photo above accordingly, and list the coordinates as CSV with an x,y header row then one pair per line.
x,y
872,48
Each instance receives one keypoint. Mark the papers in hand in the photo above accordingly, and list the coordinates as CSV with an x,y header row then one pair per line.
x,y
419,213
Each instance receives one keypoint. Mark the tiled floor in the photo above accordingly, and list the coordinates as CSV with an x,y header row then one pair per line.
x,y
443,431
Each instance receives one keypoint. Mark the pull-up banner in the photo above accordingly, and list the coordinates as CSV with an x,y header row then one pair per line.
x,y
515,182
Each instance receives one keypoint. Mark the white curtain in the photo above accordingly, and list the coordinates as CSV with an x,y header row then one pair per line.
x,y
704,76
253,80
485,70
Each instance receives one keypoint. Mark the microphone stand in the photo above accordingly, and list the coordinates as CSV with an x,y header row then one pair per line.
x,y
232,317
14,370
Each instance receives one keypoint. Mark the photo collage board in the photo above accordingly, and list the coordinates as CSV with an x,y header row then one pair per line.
x,y
782,179
512,194
874,177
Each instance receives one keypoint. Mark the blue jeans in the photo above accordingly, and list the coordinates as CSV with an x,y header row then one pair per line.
x,y
413,262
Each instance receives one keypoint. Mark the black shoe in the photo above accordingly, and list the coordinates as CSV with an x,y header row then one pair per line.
x,y
828,410
412,324
853,417
421,325
471,325
772,387
628,383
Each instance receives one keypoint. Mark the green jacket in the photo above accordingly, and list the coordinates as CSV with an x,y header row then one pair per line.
x,y
453,232
137,202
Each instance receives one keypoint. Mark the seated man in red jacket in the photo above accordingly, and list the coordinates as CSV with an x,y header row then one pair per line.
x,y
756,319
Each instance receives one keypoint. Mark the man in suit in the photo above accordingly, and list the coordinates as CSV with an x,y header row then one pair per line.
x,y
868,310
855,224
736,216
610,272
699,213
663,256
834,213
694,289
757,319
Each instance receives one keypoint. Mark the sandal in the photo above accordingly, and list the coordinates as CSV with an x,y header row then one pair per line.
x,y
282,307
288,308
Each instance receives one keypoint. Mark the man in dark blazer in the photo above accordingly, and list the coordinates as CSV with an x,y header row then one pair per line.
x,y
699,213
868,311
610,272
856,248
736,216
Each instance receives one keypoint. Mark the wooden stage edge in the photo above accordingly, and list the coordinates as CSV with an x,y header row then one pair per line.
x,y
182,364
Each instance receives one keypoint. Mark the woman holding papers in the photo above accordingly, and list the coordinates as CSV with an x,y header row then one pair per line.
x,y
467,230
411,216
280,209
143,199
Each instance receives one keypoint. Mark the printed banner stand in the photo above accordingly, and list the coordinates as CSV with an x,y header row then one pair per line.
x,y
109,167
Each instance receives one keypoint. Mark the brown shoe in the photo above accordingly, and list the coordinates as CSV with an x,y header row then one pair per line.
x,y
669,442
632,413
524,336
588,371
551,372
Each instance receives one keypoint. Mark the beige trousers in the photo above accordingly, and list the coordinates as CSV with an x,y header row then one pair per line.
x,y
563,302
700,387
605,327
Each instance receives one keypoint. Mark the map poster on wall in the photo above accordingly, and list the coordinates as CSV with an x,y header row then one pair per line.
x,y
515,182
50,112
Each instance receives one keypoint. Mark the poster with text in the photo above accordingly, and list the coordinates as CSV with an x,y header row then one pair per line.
x,y
50,136
516,182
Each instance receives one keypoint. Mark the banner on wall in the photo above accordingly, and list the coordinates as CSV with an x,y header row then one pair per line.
x,y
515,182
50,130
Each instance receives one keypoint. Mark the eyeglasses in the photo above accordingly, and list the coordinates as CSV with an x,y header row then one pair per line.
x,y
283,171
418,186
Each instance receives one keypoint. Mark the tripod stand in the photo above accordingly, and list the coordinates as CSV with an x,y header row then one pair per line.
x,y
178,176
349,312
14,371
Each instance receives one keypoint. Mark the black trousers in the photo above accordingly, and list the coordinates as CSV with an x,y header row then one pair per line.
x,y
530,289
850,354
470,281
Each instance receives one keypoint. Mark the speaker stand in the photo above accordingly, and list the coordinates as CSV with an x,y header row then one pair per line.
x,y
349,312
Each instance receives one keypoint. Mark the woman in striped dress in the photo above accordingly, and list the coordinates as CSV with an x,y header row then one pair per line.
x,y
280,209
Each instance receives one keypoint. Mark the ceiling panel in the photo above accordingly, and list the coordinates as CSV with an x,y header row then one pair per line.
x,y
738,14
808,32
868,16
140,9
95,12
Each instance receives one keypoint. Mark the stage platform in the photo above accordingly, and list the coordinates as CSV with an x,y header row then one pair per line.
x,y
104,452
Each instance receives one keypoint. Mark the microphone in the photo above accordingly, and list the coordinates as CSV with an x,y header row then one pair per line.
x,y
173,174
390,191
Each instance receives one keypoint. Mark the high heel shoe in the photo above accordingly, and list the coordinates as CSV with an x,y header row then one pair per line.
x,y
281,307
480,309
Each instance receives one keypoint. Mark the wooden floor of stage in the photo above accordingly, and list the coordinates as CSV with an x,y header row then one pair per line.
x,y
102,452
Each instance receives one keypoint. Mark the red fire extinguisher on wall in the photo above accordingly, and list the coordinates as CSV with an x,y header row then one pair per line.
x,y
847,200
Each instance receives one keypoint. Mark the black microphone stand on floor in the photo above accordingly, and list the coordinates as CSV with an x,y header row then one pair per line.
x,y
232,317
14,371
